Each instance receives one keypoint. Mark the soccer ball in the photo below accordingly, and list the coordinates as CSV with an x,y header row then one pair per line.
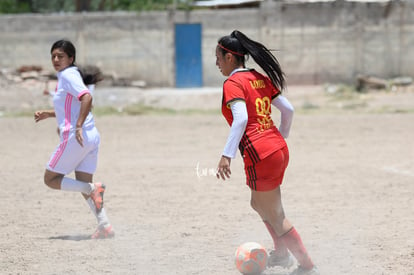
x,y
251,258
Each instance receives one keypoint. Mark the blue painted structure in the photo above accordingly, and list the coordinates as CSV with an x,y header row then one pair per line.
x,y
188,63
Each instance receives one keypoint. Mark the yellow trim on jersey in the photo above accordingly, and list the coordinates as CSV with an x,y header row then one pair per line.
x,y
230,102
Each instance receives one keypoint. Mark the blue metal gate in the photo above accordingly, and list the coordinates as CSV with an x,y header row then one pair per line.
x,y
188,64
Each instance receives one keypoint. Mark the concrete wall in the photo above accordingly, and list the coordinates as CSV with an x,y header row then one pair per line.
x,y
315,43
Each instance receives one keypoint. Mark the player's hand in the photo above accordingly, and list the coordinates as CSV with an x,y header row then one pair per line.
x,y
223,169
40,115
79,136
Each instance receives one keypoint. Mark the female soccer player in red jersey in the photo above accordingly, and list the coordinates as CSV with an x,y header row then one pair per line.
x,y
246,105
79,138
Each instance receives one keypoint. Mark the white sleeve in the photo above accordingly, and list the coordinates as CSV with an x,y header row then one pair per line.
x,y
91,88
73,83
239,111
286,111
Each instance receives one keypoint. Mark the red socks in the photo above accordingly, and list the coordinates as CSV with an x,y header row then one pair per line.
x,y
280,247
294,243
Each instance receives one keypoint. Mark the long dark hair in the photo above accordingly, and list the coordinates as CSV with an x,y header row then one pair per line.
x,y
240,45
89,74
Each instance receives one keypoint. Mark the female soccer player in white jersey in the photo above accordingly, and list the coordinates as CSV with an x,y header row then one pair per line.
x,y
79,138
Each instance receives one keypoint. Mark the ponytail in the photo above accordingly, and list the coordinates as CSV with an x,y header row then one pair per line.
x,y
90,74
239,43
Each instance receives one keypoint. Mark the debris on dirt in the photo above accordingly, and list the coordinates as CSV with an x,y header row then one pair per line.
x,y
122,81
370,82
29,68
38,74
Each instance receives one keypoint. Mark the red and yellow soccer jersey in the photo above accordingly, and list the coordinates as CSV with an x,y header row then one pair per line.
x,y
261,137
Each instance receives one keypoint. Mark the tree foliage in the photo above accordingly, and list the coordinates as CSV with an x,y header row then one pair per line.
x,y
50,6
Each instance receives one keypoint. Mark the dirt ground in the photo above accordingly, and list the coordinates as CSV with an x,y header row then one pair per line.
x,y
348,188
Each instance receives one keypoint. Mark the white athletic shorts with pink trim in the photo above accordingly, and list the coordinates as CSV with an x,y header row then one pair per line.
x,y
69,156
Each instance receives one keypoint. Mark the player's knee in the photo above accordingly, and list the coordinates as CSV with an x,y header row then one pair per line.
x,y
48,182
255,205
51,182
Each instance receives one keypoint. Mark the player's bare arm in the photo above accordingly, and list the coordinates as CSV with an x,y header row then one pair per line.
x,y
43,114
86,104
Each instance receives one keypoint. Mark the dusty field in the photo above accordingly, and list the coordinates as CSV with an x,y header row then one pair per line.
x,y
348,189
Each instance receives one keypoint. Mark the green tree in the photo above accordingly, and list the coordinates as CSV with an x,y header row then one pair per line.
x,y
14,6
49,6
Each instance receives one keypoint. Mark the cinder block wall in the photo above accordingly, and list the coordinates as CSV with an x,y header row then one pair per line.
x,y
315,42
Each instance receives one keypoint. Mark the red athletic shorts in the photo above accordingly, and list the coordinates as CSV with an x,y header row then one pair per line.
x,y
268,173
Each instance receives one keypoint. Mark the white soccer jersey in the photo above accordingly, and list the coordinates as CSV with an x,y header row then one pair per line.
x,y
69,155
69,90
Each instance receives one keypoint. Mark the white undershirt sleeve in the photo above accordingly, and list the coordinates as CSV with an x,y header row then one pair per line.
x,y
286,109
239,111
